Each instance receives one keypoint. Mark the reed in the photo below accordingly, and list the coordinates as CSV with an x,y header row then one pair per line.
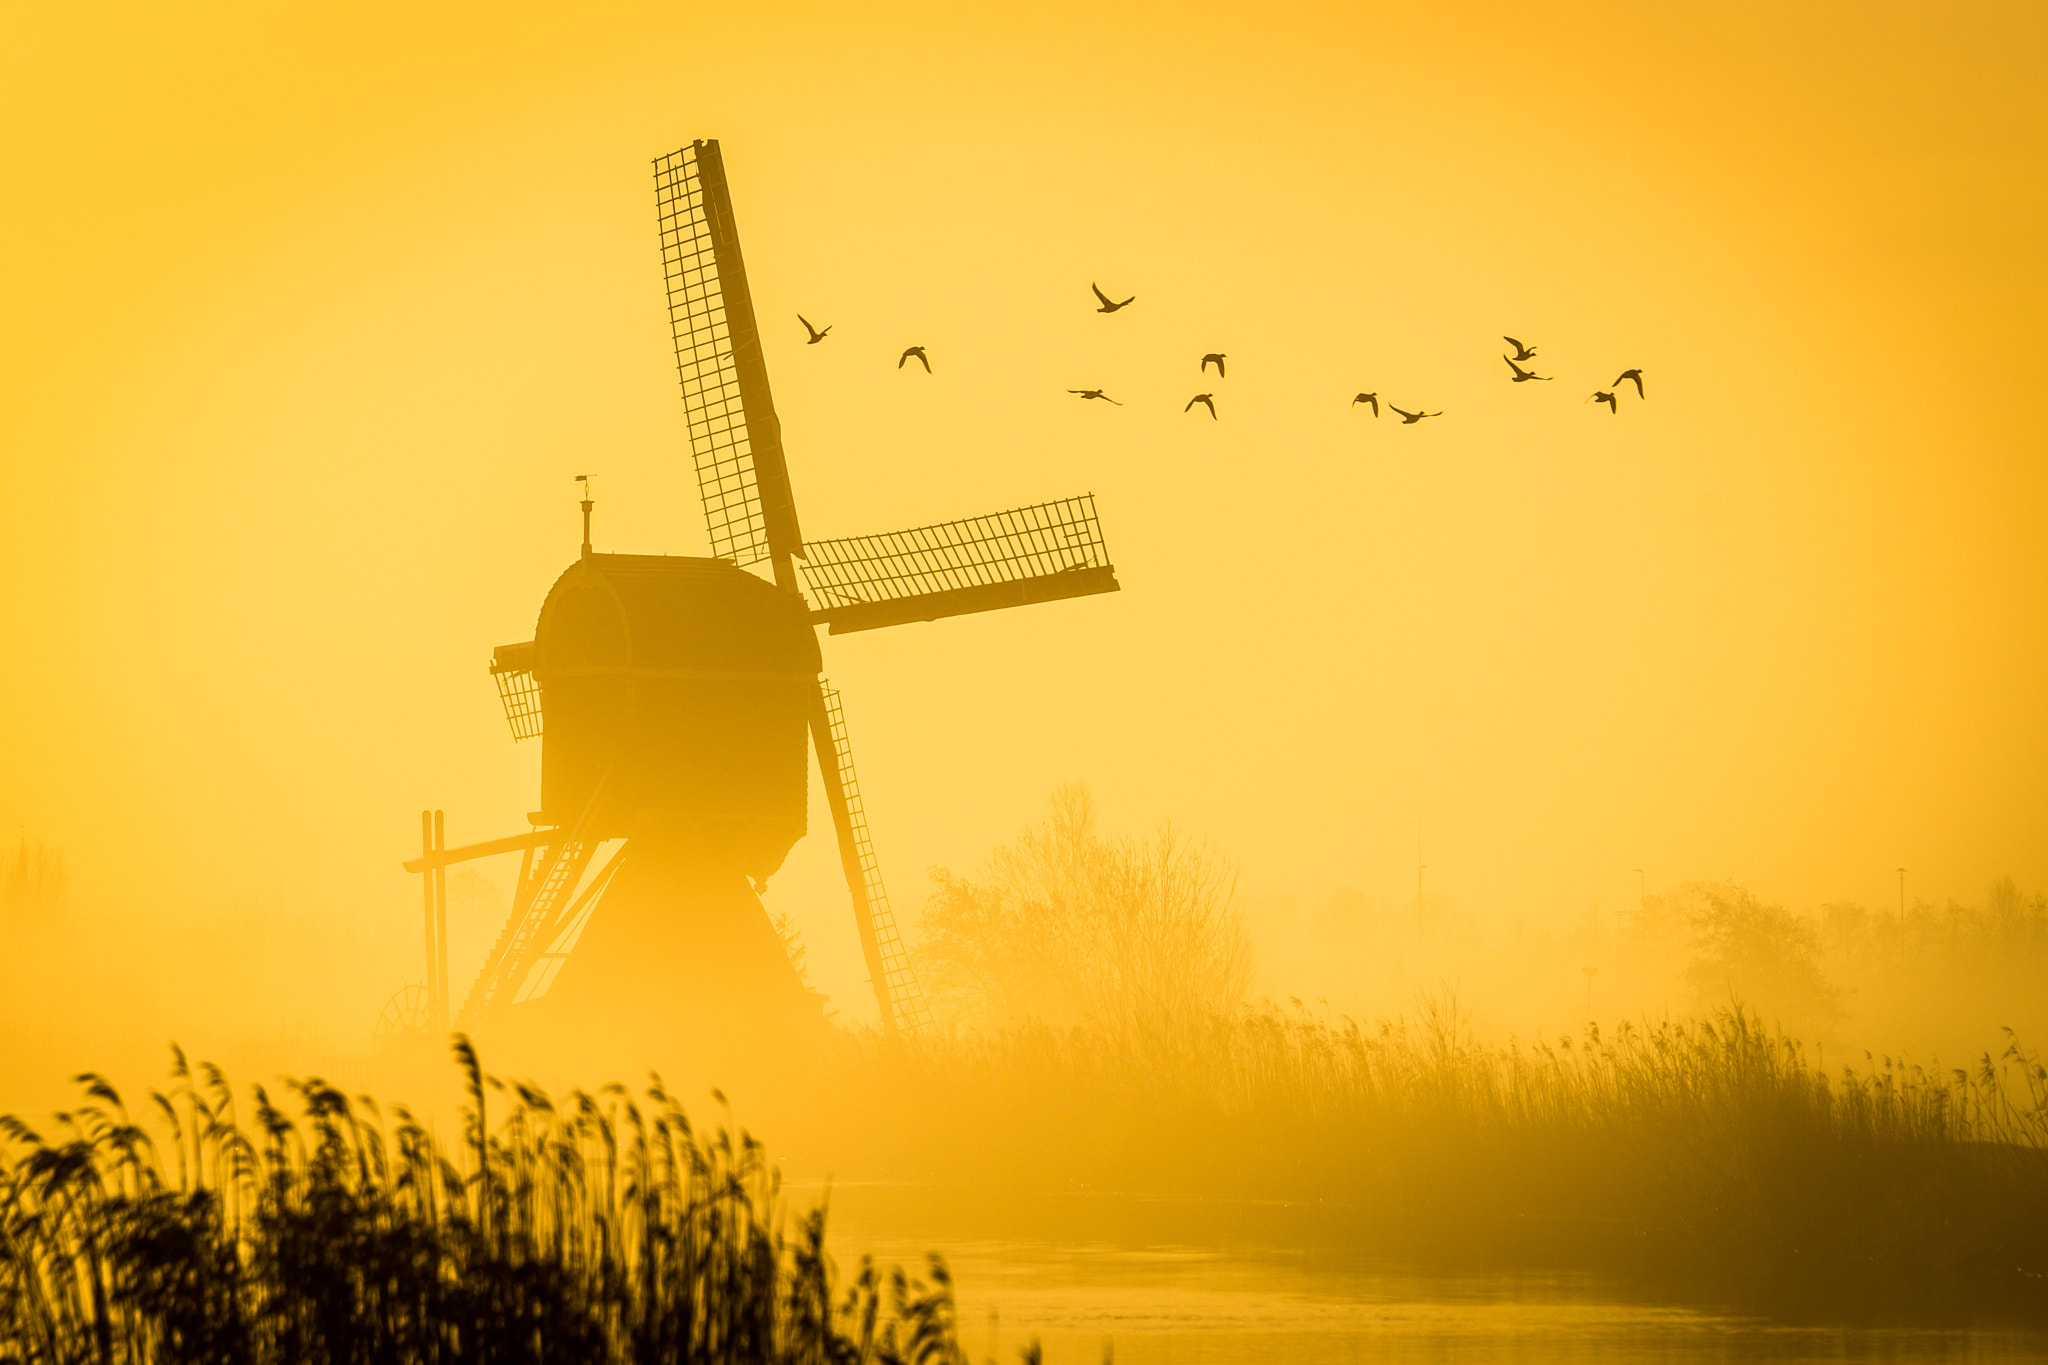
x,y
1718,1156
587,1228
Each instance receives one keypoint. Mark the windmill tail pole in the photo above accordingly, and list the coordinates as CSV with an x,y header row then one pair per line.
x,y
830,767
427,885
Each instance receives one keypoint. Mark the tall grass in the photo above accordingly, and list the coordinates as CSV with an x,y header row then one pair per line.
x,y
594,1228
1716,1154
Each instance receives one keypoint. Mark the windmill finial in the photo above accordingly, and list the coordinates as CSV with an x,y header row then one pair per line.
x,y
587,504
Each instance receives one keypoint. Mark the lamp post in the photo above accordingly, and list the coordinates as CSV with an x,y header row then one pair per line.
x,y
1902,917
1418,869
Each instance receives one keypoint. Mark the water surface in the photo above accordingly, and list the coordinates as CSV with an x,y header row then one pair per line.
x,y
1220,1305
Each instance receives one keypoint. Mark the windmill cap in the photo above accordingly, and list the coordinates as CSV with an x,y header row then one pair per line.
x,y
672,615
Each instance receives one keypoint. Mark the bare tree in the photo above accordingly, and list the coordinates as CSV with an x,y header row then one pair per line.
x,y
1064,926
32,883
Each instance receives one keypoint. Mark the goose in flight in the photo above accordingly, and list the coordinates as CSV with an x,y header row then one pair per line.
x,y
1633,376
1605,397
816,335
1095,393
1108,305
1207,400
1371,398
1409,419
1521,352
1216,356
922,358
1523,376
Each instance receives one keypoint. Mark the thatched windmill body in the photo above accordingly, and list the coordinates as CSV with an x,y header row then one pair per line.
x,y
677,698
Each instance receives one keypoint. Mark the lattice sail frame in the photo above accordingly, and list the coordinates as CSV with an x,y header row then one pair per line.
x,y
518,691
1002,547
906,1002
735,439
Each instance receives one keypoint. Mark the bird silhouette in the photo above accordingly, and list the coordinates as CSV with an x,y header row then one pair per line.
x,y
1633,376
1107,305
1371,398
1216,356
1409,419
1605,397
1521,352
1207,400
1523,376
1095,393
917,351
816,335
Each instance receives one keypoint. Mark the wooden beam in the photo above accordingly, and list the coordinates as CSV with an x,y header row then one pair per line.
x,y
931,606
427,883
440,876
511,843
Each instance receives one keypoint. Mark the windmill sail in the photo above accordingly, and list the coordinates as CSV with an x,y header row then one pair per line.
x,y
898,997
1006,559
735,438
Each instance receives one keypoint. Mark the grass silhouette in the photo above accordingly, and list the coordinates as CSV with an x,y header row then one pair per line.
x,y
593,1228
1712,1159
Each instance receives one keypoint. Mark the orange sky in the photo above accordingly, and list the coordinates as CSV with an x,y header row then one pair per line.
x,y
309,313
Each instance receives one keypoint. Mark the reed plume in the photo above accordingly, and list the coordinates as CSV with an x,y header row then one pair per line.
x,y
590,1228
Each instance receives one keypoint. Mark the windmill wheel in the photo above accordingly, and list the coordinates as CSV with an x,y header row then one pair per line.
x,y
403,1022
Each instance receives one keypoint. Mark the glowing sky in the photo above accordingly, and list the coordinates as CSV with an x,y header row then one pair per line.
x,y
309,313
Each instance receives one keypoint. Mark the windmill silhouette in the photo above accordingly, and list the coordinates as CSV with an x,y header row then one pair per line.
x,y
676,696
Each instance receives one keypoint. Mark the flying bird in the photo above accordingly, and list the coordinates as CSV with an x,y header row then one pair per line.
x,y
1207,400
1523,376
1409,419
816,335
1371,398
1605,397
1109,306
1216,356
1633,376
1095,393
1521,352
917,351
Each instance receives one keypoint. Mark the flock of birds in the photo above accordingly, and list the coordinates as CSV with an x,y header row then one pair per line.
x,y
1105,304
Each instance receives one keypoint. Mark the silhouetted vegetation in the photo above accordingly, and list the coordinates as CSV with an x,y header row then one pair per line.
x,y
1718,1155
1942,982
1847,971
32,881
1762,953
1067,926
594,1228
1714,1149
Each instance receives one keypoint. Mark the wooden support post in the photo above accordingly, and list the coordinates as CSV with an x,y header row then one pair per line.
x,y
427,890
440,875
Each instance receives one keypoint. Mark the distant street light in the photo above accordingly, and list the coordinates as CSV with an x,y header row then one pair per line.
x,y
1902,917
1418,867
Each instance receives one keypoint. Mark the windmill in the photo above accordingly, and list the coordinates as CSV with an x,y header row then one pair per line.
x,y
678,699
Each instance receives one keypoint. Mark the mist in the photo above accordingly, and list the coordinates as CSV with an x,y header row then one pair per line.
x,y
1497,800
